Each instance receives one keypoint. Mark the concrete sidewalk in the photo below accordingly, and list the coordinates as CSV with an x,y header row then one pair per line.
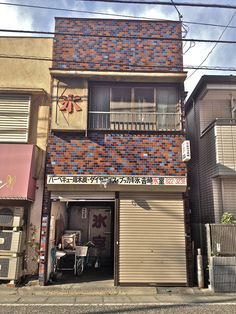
x,y
90,294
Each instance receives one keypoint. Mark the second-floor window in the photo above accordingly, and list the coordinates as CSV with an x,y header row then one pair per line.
x,y
124,107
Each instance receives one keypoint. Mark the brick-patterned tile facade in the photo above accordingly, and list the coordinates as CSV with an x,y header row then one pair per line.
x,y
86,52
110,152
115,154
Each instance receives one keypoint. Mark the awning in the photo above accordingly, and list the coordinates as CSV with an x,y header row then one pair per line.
x,y
17,171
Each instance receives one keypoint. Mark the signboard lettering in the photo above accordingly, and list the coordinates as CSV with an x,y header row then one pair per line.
x,y
120,180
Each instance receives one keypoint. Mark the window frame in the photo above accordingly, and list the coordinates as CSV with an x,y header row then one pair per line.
x,y
132,86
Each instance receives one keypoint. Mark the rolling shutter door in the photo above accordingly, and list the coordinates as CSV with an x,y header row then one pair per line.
x,y
14,118
152,239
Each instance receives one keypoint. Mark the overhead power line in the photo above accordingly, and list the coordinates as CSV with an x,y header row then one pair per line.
x,y
208,24
190,67
108,14
123,37
214,46
179,14
182,4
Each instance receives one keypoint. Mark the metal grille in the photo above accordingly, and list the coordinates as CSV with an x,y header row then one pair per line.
x,y
6,217
5,240
4,267
14,118
222,271
223,239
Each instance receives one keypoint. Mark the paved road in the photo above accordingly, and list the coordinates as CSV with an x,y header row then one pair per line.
x,y
32,300
202,308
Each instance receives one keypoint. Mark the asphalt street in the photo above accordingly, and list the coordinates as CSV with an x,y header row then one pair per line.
x,y
105,298
202,308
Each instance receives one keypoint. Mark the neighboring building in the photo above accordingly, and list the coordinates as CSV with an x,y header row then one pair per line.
x,y
24,111
114,169
211,129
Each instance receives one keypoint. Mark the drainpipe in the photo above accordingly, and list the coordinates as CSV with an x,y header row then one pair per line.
x,y
198,170
200,269
200,272
233,108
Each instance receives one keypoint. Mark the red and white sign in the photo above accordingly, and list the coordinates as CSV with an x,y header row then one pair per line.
x,y
186,152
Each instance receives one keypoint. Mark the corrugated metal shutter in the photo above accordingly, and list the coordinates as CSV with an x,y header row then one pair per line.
x,y
229,195
14,118
77,196
152,239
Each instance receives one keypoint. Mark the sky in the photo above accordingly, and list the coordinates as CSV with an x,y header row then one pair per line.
x,y
223,55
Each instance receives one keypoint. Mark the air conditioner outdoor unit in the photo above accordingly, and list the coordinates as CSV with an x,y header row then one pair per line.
x,y
10,267
11,216
11,241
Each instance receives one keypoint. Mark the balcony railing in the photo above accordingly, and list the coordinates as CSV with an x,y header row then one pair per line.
x,y
219,121
135,121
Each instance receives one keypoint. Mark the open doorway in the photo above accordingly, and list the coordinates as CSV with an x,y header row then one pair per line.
x,y
83,223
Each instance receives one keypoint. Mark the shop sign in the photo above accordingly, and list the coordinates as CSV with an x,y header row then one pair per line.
x,y
70,103
186,152
120,180
8,182
43,248
84,213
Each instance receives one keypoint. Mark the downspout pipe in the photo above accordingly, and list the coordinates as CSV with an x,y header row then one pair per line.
x,y
233,107
198,168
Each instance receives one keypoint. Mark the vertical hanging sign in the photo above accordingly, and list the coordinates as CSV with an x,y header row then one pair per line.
x,y
186,152
42,253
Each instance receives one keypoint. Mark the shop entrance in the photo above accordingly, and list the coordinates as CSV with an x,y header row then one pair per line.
x,y
88,224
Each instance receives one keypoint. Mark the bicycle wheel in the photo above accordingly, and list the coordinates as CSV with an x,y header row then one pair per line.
x,y
79,266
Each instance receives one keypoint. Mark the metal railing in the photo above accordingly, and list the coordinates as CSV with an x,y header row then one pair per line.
x,y
136,121
219,121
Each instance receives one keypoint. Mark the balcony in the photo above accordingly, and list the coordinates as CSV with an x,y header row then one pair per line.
x,y
134,121
218,141
221,122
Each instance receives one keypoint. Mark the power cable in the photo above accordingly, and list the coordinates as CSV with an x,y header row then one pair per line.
x,y
109,14
183,4
208,24
184,26
192,44
67,10
122,37
214,46
181,67
179,14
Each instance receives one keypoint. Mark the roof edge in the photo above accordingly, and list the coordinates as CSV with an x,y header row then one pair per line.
x,y
208,79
